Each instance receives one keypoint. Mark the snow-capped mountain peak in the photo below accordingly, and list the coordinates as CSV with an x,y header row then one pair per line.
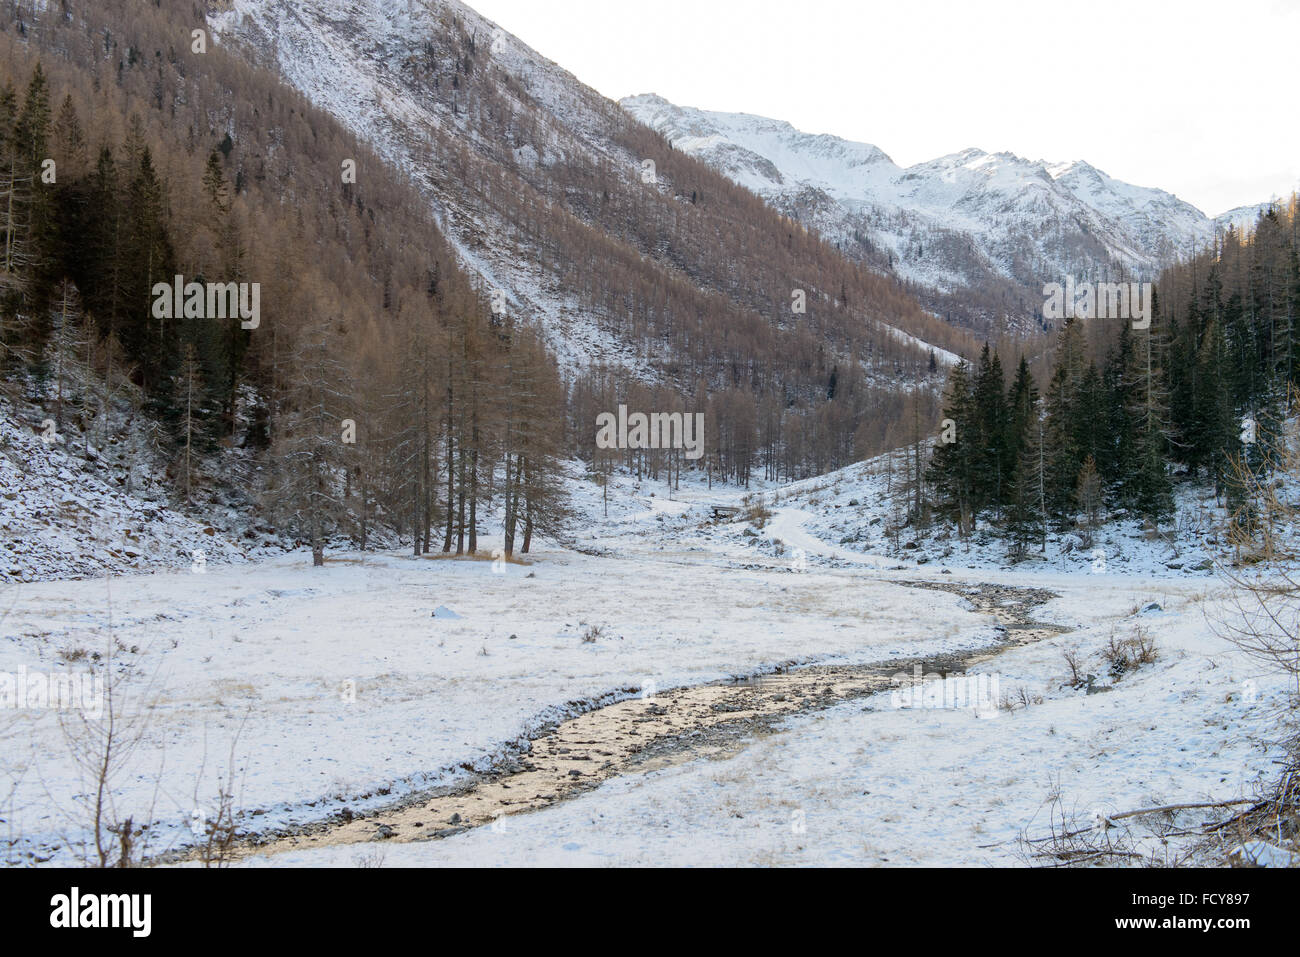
x,y
989,223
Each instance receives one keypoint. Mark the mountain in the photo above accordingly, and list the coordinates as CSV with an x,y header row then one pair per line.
x,y
977,234
1244,218
643,267
516,156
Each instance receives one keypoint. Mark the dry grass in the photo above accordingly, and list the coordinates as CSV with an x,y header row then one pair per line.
x,y
1123,655
475,557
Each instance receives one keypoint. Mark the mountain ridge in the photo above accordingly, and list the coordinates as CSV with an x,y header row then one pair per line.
x,y
988,222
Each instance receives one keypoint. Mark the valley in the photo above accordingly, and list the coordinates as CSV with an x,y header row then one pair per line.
x,y
413,455
667,650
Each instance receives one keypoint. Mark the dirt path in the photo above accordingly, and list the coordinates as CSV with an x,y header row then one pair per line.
x,y
640,734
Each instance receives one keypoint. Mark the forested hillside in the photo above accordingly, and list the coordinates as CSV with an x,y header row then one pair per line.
x,y
374,387
387,383
651,273
1200,395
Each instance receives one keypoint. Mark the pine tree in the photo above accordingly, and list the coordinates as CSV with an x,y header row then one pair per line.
x,y
192,391
1149,489
307,446
16,257
66,342
952,467
992,466
149,260
1062,449
1089,498
1026,518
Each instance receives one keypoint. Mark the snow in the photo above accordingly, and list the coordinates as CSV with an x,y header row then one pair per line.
x,y
1013,214
346,55
1263,854
1244,218
259,656
383,674
867,784
60,517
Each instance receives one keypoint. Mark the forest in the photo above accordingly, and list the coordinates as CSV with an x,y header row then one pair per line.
x,y
382,393
378,392
1127,412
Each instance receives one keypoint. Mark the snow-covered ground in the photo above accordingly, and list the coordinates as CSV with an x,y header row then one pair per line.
x,y
868,784
858,507
346,686
265,653
64,511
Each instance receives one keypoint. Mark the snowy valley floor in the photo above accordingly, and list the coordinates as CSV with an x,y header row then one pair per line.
x,y
379,676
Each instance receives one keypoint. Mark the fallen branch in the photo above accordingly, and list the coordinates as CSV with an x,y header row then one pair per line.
x,y
1071,861
1149,810
1175,807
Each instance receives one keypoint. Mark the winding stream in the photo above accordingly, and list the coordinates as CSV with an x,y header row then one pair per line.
x,y
640,734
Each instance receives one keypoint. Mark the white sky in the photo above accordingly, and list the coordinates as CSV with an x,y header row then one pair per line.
x,y
1207,111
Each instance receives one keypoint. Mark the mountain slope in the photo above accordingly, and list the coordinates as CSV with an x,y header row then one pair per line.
x,y
540,183
977,233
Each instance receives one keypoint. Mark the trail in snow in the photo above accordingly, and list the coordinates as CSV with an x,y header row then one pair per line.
x,y
787,526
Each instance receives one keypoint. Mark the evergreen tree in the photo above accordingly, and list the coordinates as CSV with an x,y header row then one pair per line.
x,y
952,467
1026,518
31,142
149,260
1088,497
991,468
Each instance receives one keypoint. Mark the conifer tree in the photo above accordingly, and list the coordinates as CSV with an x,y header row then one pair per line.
x,y
952,468
991,467
65,344
1026,512
192,393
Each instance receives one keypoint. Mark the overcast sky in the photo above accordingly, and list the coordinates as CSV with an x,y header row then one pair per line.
x,y
1195,97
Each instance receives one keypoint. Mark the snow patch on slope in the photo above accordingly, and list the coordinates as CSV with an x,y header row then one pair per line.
x,y
60,519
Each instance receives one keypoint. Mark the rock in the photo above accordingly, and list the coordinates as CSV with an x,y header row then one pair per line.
x,y
1092,688
1151,608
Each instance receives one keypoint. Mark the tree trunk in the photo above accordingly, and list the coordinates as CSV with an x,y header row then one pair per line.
x,y
460,503
510,506
473,490
446,541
